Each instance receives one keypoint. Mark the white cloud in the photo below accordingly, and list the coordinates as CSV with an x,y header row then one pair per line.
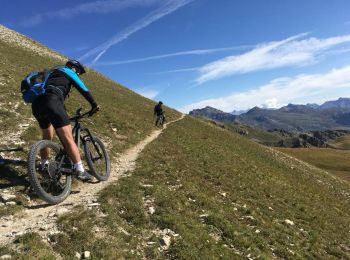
x,y
148,93
174,71
175,54
168,8
96,7
293,51
302,89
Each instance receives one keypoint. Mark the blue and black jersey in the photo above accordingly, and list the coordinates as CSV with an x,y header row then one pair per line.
x,y
61,81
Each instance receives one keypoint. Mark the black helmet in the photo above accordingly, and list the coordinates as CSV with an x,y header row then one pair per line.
x,y
77,65
160,103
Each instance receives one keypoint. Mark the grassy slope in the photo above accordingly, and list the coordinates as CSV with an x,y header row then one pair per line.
x,y
196,169
342,142
224,195
128,112
334,161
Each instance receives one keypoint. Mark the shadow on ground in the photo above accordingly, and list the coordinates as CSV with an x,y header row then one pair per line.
x,y
13,171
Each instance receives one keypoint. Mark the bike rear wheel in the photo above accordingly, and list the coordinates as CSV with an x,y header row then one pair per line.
x,y
97,158
162,120
49,182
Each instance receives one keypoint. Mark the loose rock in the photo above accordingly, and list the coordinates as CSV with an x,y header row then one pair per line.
x,y
87,254
5,257
151,210
166,241
61,211
7,197
94,204
289,222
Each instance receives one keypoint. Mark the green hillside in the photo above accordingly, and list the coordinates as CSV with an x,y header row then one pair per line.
x,y
332,160
214,194
198,191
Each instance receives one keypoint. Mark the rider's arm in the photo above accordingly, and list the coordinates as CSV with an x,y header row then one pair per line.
x,y
80,86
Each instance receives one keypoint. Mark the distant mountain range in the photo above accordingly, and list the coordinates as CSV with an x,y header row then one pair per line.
x,y
294,118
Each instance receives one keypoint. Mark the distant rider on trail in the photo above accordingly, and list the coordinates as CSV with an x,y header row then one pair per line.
x,y
159,113
51,114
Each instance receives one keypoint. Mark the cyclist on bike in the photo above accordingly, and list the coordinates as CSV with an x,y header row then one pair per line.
x,y
159,113
49,111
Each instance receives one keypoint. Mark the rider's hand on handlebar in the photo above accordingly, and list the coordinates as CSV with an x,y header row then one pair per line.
x,y
94,110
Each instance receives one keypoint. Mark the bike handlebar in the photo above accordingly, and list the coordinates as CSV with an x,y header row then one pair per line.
x,y
78,115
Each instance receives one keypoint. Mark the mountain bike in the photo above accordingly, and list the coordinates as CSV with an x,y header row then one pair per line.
x,y
52,181
160,120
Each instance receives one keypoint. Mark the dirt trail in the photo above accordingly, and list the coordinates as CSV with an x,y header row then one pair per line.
x,y
41,218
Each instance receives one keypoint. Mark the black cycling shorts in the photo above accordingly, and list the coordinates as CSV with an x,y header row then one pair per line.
x,y
49,109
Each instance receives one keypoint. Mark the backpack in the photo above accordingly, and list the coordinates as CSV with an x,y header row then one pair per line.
x,y
34,84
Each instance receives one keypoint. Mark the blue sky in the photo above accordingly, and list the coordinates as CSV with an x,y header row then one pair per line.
x,y
230,54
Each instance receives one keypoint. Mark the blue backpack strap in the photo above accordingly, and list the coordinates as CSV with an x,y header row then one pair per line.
x,y
29,76
48,73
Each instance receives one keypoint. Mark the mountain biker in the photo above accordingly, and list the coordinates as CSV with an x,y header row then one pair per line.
x,y
158,111
49,111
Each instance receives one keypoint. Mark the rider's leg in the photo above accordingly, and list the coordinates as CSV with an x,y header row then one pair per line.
x,y
66,137
47,135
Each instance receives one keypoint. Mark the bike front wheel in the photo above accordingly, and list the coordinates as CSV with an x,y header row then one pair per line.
x,y
48,181
97,158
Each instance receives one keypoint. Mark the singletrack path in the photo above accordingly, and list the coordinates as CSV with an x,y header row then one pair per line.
x,y
41,218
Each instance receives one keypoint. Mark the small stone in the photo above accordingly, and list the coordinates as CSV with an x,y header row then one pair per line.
x,y
44,228
204,216
289,222
114,129
5,257
270,208
257,231
11,203
166,241
7,197
151,210
51,214
77,255
61,211
235,209
150,243
94,204
87,254
20,233
146,185
2,204
223,194
75,229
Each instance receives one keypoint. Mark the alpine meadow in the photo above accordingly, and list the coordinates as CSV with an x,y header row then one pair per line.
x,y
191,190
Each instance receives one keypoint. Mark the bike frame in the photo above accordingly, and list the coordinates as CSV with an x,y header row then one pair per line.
x,y
78,129
79,138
